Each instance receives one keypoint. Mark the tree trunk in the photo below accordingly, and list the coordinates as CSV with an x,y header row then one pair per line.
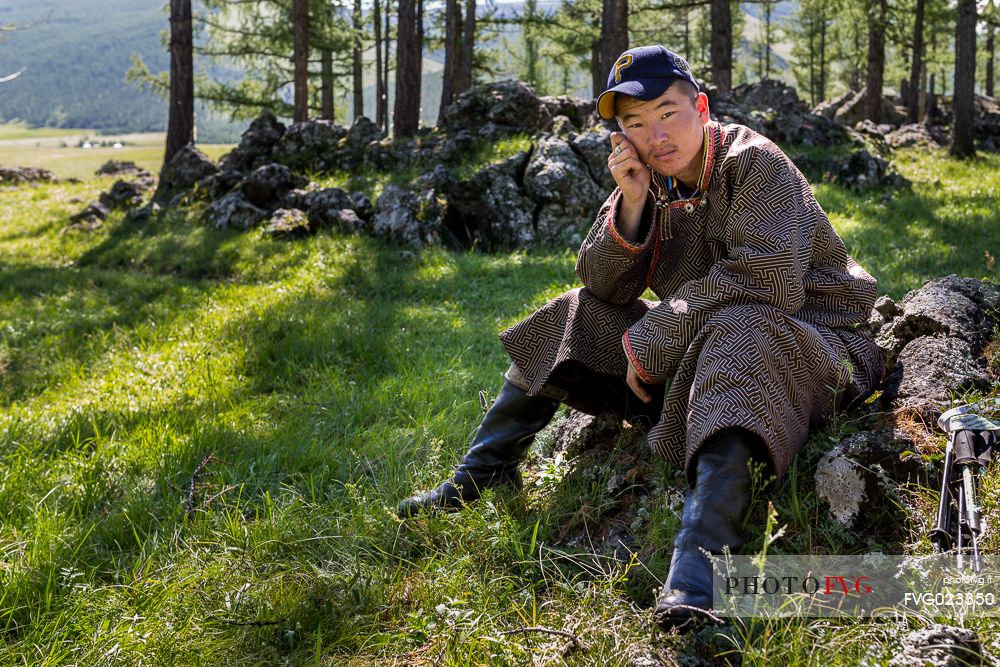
x,y
406,110
821,85
468,49
359,100
180,123
326,82
598,78
379,79
812,64
989,55
386,44
876,60
917,64
300,55
614,36
722,45
767,40
452,55
965,80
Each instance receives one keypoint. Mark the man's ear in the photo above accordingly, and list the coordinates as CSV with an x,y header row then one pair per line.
x,y
701,104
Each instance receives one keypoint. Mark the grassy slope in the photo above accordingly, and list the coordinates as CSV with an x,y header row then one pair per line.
x,y
311,385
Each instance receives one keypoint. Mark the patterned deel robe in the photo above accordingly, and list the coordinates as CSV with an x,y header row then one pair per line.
x,y
758,323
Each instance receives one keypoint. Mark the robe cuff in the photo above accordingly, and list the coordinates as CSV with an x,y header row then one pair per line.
x,y
633,359
646,223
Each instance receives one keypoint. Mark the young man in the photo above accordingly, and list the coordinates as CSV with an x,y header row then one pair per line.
x,y
756,328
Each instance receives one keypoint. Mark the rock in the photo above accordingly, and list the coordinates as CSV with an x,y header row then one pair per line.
x,y
397,217
22,175
142,214
312,145
872,137
852,111
458,146
234,211
362,133
496,110
915,134
775,110
594,146
271,182
255,145
325,207
219,184
559,181
127,194
580,432
579,111
940,646
184,171
948,306
287,223
852,476
828,109
863,171
90,217
932,369
117,168
491,209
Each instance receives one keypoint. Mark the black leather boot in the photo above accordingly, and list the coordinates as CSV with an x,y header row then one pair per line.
x,y
507,431
712,518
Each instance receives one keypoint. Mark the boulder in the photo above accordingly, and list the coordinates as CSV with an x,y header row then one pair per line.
x,y
90,217
931,369
775,110
491,209
287,223
363,132
184,171
398,218
558,180
861,171
267,184
579,111
873,137
594,147
234,211
310,145
22,175
941,646
915,134
118,168
127,194
219,184
828,108
852,111
496,110
255,145
326,207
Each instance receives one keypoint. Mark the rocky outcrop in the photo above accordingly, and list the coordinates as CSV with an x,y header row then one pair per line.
x,y
128,194
916,134
255,146
120,168
269,183
940,645
559,183
934,338
234,211
22,175
287,223
182,174
495,110
491,209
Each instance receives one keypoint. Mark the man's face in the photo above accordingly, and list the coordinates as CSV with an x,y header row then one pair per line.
x,y
667,132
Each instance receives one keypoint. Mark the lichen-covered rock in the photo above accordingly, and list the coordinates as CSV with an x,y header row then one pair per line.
x,y
119,167
184,171
558,180
932,369
287,223
325,206
873,137
363,132
269,183
310,145
828,108
579,111
91,217
940,646
397,217
234,211
496,110
128,194
775,110
22,175
915,134
217,185
491,208
594,146
840,482
852,111
862,171
255,145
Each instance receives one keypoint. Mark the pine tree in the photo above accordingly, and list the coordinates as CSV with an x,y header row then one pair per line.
x,y
409,51
180,121
962,145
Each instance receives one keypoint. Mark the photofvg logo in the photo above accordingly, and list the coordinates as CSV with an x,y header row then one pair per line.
x,y
869,585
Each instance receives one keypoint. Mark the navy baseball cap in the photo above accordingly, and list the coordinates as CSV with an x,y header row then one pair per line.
x,y
644,73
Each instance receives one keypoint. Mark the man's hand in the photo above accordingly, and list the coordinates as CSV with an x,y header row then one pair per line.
x,y
635,384
629,172
633,179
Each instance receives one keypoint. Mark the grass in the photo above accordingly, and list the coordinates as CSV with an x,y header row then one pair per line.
x,y
203,435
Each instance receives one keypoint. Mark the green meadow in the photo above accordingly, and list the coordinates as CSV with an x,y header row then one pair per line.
x,y
204,434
